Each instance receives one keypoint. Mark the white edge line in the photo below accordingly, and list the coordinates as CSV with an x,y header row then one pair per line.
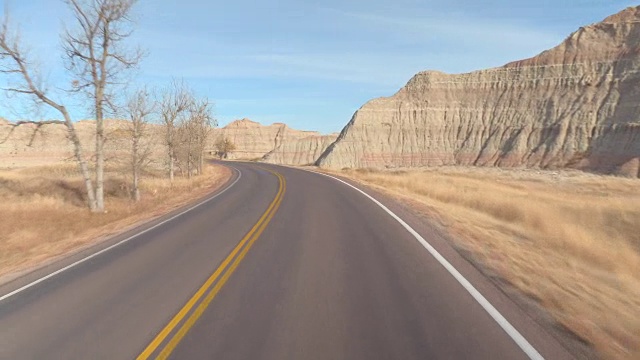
x,y
528,349
31,284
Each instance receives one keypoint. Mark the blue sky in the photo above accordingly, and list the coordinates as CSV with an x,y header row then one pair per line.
x,y
310,64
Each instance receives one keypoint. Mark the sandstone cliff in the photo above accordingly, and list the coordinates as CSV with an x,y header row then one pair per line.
x,y
303,151
254,140
574,105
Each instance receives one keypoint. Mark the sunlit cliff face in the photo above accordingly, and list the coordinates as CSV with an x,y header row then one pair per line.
x,y
574,105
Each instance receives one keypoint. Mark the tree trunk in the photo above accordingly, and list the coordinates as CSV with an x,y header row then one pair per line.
x,y
99,158
82,162
136,189
189,157
171,160
189,166
170,150
136,166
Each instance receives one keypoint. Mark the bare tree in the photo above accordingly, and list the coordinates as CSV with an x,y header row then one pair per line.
x,y
174,106
205,121
14,62
139,109
184,146
95,54
224,147
199,127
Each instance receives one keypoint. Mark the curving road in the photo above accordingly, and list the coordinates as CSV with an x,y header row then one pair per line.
x,y
281,264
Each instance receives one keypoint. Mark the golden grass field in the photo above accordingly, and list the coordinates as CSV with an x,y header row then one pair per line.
x,y
569,240
44,214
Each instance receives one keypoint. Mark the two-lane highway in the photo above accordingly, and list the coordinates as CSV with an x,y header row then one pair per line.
x,y
283,264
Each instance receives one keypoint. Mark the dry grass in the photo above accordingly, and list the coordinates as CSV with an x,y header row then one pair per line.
x,y
569,240
43,213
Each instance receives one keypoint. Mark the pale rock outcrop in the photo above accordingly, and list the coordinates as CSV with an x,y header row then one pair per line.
x,y
30,144
254,140
303,151
574,105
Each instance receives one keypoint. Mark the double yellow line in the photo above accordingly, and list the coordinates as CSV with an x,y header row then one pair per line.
x,y
226,270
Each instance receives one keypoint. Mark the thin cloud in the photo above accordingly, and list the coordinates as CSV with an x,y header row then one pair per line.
x,y
461,43
352,68
456,29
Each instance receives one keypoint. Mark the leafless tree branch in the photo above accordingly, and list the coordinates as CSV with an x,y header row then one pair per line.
x,y
95,55
174,104
14,61
139,108
38,125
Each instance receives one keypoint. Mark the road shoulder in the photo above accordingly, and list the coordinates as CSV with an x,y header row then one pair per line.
x,y
507,299
105,237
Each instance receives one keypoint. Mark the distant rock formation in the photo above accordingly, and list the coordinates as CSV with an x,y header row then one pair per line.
x,y
576,105
31,144
254,140
304,151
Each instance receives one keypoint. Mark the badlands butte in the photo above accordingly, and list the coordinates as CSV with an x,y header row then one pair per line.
x,y
575,106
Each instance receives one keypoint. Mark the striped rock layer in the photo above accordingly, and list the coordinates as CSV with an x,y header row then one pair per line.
x,y
576,105
303,151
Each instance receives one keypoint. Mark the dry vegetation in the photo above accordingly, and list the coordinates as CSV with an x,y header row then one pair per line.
x,y
569,240
44,212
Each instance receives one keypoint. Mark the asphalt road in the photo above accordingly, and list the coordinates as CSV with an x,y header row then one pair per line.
x,y
283,264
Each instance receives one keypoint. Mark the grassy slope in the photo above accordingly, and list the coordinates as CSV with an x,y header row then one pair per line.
x,y
44,216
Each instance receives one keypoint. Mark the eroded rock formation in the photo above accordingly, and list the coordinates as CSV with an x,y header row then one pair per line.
x,y
31,144
576,105
253,140
303,151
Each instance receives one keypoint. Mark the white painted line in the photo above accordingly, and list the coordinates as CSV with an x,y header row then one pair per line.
x,y
528,349
31,284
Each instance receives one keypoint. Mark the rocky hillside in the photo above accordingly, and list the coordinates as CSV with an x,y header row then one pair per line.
x,y
303,151
575,105
31,144
253,140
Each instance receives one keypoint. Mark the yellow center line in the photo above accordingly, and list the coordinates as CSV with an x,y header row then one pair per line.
x,y
250,238
173,343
